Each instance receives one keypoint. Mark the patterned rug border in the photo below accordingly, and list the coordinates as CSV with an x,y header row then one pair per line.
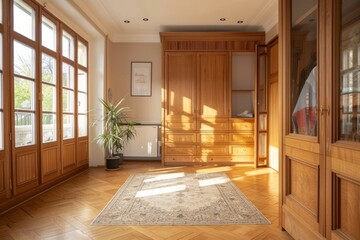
x,y
122,188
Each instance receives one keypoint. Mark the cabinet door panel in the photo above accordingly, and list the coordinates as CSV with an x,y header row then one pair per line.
x,y
213,84
180,80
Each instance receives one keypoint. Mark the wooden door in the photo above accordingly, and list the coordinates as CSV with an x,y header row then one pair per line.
x,y
24,96
274,106
180,90
303,165
213,85
343,121
179,101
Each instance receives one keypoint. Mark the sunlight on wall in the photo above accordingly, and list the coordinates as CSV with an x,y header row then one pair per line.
x,y
274,157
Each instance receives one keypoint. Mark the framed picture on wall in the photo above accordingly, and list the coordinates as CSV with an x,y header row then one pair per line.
x,y
141,79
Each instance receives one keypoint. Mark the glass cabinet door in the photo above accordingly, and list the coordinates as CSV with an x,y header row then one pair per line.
x,y
303,82
349,87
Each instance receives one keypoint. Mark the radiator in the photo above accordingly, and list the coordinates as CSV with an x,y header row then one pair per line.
x,y
145,145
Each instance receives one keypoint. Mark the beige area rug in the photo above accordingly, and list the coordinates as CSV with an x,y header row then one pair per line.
x,y
179,199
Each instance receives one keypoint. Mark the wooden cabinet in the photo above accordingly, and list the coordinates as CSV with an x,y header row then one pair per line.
x,y
320,181
197,124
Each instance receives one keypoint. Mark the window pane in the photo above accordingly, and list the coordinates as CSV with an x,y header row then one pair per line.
x,y
82,81
68,76
24,60
68,126
24,19
49,127
48,69
82,125
24,129
48,98
68,101
82,102
24,94
82,54
303,100
68,45
1,7
1,51
349,109
48,35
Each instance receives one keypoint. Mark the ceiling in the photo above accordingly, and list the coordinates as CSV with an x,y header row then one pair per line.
x,y
176,15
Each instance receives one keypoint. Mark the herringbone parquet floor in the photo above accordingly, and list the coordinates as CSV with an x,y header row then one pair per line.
x,y
67,210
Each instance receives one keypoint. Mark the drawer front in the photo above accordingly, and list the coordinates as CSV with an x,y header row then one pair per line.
x,y
241,138
170,159
180,150
243,159
180,137
180,125
242,125
213,137
215,159
212,124
213,150
242,150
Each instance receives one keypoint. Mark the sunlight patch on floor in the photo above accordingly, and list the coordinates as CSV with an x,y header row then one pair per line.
x,y
213,181
260,171
165,177
158,191
214,169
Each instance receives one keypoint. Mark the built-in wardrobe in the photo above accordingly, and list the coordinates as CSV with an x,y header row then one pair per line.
x,y
212,98
319,43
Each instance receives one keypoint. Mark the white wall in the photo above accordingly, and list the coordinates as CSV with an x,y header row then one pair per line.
x,y
144,109
272,33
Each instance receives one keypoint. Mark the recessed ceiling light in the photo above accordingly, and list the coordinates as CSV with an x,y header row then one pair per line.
x,y
222,19
126,21
240,21
145,19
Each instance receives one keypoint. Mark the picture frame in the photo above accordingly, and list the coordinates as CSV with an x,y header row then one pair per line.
x,y
141,79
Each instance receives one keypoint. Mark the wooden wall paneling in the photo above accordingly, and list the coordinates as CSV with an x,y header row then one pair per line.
x,y
26,170
68,156
82,152
50,163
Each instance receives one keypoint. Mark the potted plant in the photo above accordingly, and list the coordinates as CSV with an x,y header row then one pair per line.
x,y
117,131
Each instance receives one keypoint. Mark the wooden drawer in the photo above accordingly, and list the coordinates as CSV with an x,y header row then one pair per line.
x,y
243,159
242,124
189,150
242,150
241,138
212,124
213,137
174,159
172,137
213,150
180,125
215,159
